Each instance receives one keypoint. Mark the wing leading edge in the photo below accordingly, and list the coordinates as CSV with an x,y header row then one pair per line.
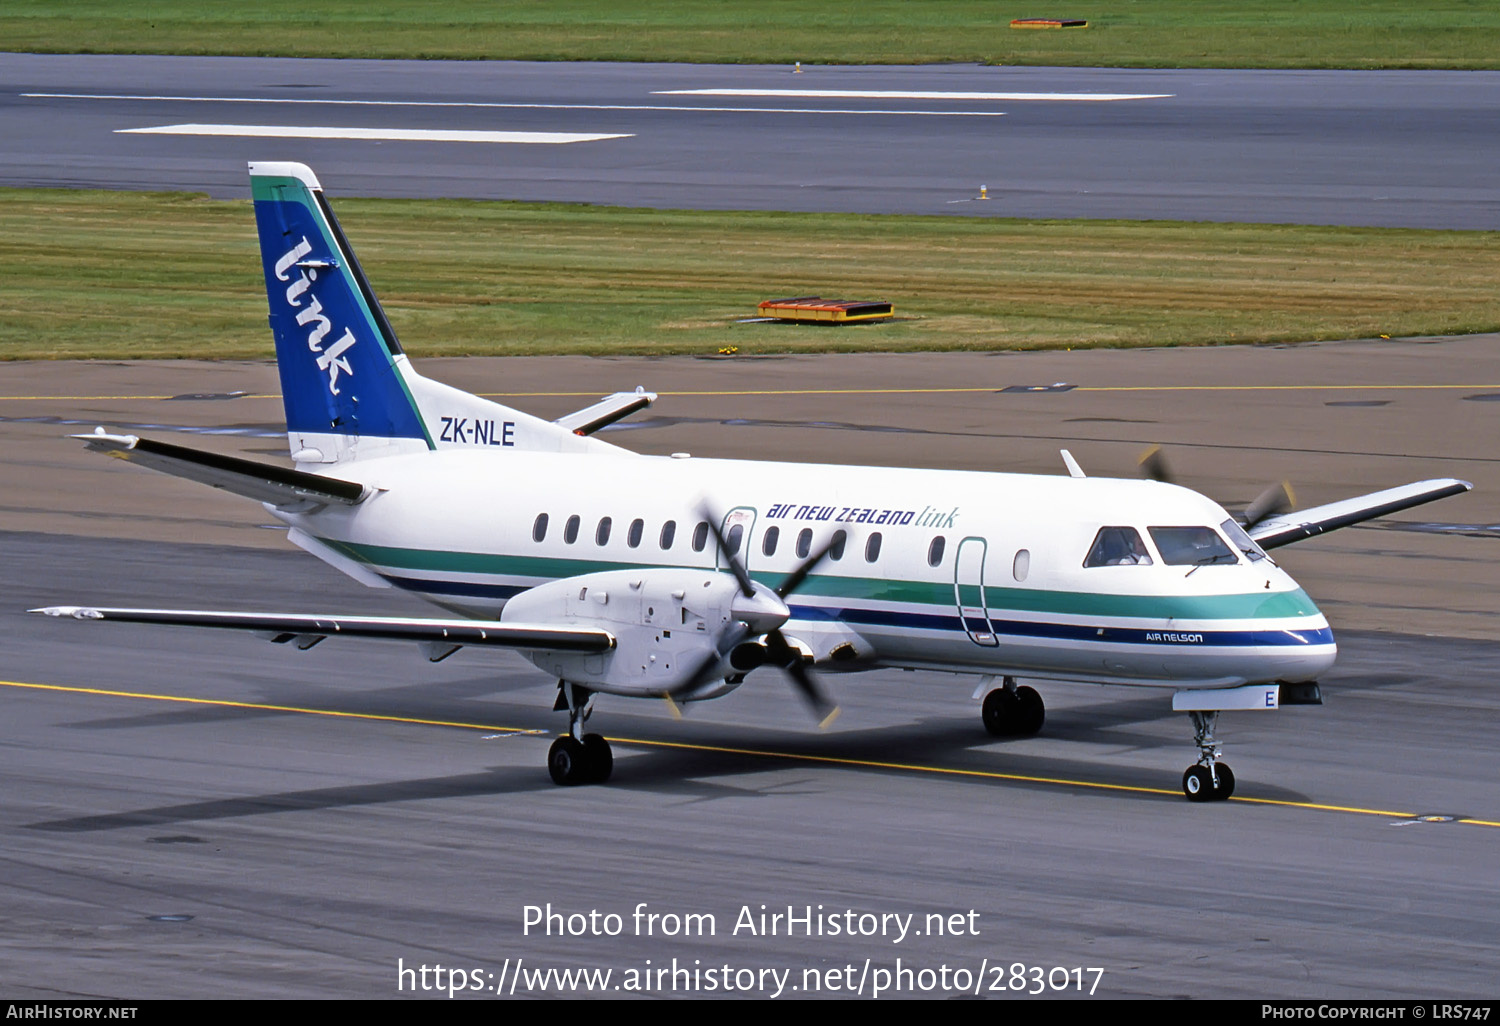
x,y
444,636
1294,527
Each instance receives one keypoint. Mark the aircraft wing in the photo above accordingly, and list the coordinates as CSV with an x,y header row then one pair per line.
x,y
280,486
440,638
1292,527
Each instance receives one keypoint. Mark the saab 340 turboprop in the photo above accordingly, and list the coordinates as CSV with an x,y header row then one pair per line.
x,y
674,577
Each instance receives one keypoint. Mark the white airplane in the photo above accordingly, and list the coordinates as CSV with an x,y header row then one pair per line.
x,y
673,577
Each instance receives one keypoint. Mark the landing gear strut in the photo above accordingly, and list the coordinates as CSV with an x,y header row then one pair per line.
x,y
571,761
1012,711
1207,780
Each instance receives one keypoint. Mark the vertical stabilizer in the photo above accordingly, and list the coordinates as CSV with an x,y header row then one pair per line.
x,y
349,390
334,347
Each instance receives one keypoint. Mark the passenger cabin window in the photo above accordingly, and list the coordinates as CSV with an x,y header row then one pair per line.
x,y
836,547
804,542
935,551
1118,546
1242,541
539,529
1191,546
735,536
601,534
768,543
872,548
1022,565
668,534
700,537
570,529
633,537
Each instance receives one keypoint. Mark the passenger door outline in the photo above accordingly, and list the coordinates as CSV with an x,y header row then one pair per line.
x,y
969,592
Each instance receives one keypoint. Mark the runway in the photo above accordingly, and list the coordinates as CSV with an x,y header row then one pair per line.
x,y
327,818
1408,148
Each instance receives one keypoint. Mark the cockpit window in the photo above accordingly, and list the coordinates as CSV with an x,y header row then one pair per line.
x,y
1191,546
1118,546
1242,541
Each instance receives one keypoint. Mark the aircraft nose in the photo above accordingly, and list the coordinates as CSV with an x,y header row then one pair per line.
x,y
1308,658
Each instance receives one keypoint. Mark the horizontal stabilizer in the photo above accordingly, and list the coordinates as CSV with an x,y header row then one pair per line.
x,y
606,411
287,489
1292,527
305,627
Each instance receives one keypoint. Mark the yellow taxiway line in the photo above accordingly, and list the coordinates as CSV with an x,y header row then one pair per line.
x,y
832,760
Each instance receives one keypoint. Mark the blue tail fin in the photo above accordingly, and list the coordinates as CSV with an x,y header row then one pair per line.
x,y
335,349
349,390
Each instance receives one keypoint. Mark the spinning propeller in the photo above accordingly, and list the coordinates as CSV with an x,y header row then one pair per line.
x,y
763,611
1274,501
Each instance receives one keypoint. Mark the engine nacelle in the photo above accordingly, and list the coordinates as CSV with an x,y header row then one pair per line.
x,y
667,624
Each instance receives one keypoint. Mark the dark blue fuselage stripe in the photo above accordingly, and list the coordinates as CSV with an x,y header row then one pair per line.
x,y
952,623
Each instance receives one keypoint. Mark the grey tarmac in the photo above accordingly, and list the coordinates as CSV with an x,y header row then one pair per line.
x,y
314,851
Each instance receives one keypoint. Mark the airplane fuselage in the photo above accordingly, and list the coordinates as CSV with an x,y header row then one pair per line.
x,y
962,571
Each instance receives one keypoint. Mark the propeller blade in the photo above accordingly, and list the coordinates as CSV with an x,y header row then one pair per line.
x,y
736,633
823,707
747,588
1272,502
783,655
796,577
1153,464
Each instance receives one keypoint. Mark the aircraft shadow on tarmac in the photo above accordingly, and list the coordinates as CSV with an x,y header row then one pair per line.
x,y
950,745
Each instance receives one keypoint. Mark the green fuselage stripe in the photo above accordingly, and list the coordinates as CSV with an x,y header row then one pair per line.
x,y
1243,606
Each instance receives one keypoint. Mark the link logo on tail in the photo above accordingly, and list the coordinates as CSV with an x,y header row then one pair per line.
x,y
331,359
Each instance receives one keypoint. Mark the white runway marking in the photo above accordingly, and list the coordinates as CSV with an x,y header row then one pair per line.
x,y
398,134
890,94
504,106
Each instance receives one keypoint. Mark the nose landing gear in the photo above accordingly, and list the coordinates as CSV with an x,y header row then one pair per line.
x,y
1207,780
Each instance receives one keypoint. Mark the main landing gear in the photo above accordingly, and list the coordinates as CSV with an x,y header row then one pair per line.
x,y
1207,780
1012,711
571,761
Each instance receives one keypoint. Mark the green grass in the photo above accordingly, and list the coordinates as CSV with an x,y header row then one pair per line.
x,y
125,275
1123,33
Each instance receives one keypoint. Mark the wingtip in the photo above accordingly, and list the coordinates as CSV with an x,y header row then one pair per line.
x,y
76,612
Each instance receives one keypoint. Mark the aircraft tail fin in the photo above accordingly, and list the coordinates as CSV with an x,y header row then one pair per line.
x,y
335,348
348,388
